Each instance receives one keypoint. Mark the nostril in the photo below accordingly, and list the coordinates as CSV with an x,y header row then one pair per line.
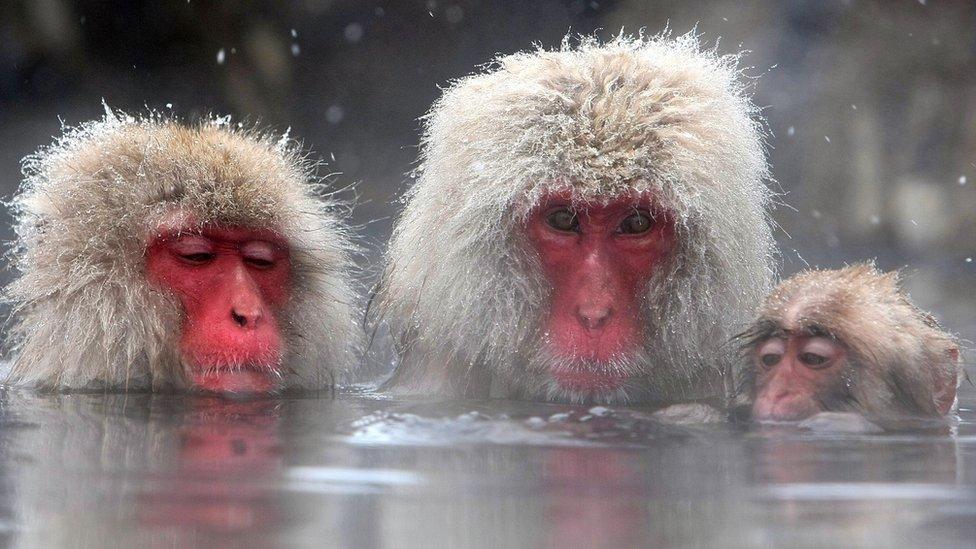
x,y
239,319
594,318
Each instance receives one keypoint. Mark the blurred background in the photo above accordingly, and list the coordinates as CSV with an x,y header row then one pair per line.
x,y
871,104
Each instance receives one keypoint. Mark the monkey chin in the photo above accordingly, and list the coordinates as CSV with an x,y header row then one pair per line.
x,y
235,375
584,380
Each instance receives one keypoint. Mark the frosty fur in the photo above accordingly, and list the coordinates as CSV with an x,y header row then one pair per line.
x,y
459,291
84,316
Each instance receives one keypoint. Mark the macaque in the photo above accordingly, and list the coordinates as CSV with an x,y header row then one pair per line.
x,y
848,340
588,225
154,255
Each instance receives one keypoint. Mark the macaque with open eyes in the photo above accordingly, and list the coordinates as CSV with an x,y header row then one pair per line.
x,y
157,255
848,340
588,225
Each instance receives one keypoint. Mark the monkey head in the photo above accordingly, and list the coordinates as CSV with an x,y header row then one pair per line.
x,y
156,255
587,225
847,340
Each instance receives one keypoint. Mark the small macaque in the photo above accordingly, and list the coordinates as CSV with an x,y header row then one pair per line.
x,y
588,225
847,340
155,255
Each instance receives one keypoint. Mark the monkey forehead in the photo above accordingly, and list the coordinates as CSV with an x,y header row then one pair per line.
x,y
655,113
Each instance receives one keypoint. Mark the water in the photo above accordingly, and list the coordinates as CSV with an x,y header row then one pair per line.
x,y
360,471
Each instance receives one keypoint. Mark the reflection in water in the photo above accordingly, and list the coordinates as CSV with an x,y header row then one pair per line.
x,y
165,470
228,452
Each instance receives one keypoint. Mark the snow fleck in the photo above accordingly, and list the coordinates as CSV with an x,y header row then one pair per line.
x,y
791,131
169,105
555,418
922,2
334,114
233,51
221,56
853,106
816,214
827,139
294,33
353,32
535,422
914,222
969,260
295,50
726,19
962,179
875,220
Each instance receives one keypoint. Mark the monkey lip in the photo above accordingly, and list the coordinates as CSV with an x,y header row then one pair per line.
x,y
784,410
236,379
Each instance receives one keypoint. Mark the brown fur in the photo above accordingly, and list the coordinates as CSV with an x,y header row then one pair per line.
x,y
901,360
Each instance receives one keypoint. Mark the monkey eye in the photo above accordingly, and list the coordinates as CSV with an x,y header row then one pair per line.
x,y
813,360
194,250
770,352
637,223
259,254
563,220
197,259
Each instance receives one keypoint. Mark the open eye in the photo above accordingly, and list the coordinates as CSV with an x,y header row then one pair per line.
x,y
819,352
258,254
637,223
770,352
563,220
813,360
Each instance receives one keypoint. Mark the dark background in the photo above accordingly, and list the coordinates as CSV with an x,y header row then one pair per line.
x,y
871,105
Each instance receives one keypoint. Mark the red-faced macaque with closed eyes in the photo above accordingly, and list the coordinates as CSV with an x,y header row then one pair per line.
x,y
848,340
588,224
157,255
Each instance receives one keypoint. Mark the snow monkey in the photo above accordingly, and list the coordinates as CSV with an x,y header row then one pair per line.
x,y
157,255
588,225
848,340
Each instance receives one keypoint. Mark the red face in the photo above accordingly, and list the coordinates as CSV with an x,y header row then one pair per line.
x,y
232,283
598,259
796,375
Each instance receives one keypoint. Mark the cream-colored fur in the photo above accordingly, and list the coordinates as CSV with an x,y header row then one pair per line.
x,y
461,291
84,315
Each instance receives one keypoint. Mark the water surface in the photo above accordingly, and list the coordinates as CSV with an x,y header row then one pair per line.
x,y
360,471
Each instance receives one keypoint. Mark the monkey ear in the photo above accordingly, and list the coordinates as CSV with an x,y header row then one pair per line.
x,y
945,380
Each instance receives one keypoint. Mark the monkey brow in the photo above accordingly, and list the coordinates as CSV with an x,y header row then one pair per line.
x,y
768,328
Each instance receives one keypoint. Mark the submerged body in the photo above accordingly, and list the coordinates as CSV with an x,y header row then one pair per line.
x,y
569,237
156,255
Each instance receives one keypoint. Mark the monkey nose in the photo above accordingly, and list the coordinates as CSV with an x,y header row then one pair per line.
x,y
246,317
593,317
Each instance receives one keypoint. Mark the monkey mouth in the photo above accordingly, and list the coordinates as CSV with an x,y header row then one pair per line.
x,y
236,377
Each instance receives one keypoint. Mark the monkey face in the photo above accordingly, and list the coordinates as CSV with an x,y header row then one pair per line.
x,y
797,376
232,284
597,259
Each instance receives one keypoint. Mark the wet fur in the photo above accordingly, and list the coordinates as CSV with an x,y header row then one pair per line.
x,y
84,316
897,352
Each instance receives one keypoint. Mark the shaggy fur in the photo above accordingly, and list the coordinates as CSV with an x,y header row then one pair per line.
x,y
898,353
84,315
461,292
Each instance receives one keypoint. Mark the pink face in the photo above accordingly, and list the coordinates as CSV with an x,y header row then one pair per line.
x,y
795,375
598,259
232,283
